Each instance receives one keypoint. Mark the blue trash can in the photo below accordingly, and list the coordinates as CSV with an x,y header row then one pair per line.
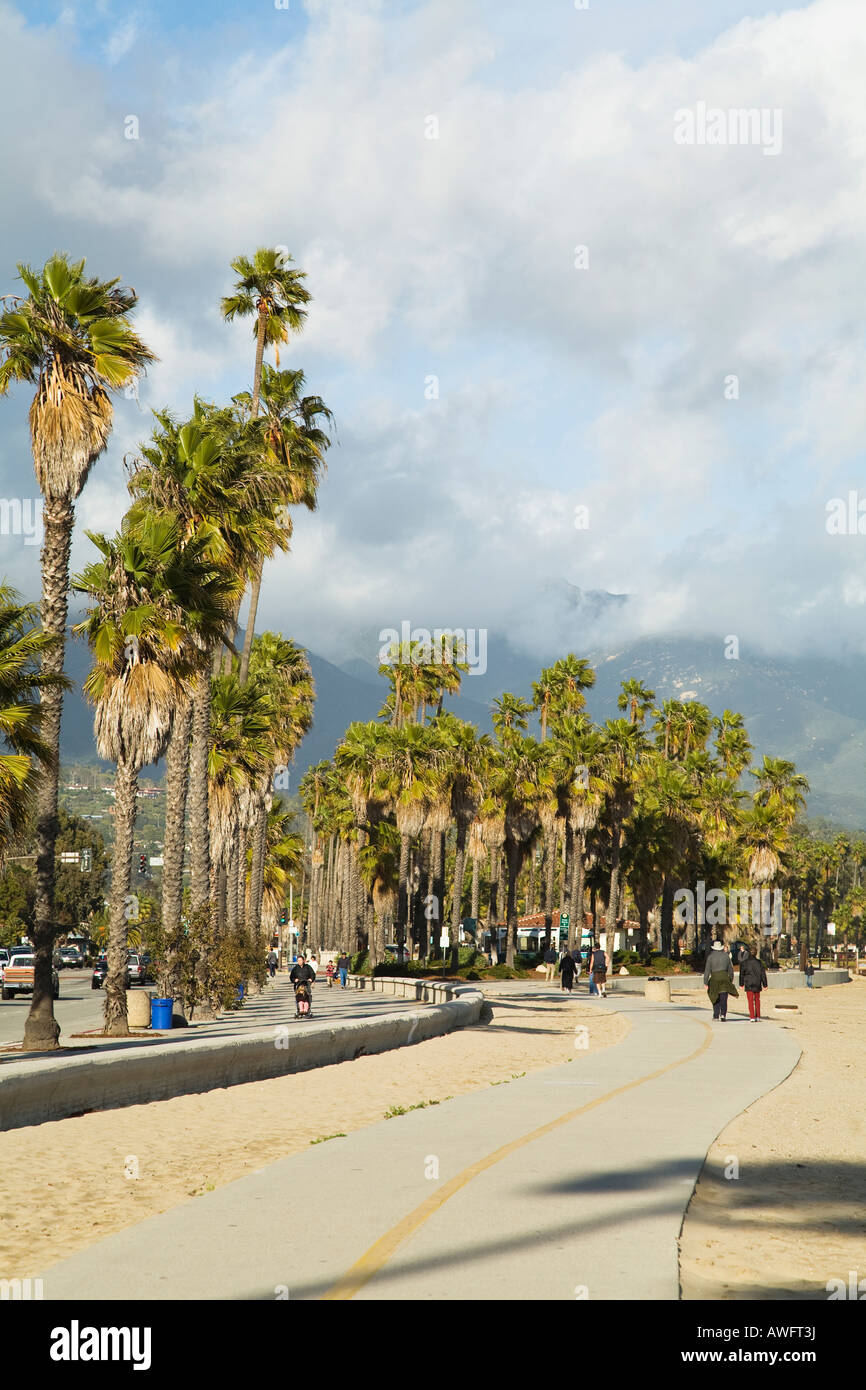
x,y
160,1013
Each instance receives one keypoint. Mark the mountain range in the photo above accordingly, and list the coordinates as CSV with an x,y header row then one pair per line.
x,y
809,710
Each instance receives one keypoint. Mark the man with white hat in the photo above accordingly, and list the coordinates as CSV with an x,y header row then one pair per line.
x,y
719,980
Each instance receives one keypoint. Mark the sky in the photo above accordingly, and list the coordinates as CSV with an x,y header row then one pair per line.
x,y
577,333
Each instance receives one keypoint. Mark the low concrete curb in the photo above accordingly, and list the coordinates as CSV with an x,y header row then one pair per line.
x,y
33,1092
427,991
776,979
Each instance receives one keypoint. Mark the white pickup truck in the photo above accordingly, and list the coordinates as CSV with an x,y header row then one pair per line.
x,y
18,977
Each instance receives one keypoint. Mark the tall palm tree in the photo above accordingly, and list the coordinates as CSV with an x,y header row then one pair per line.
x,y
71,337
146,594
290,438
781,786
637,699
270,290
624,745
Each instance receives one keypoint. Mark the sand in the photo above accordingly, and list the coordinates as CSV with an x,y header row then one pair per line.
x,y
78,1180
795,1217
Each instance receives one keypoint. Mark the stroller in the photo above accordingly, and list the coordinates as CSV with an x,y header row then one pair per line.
x,y
303,1000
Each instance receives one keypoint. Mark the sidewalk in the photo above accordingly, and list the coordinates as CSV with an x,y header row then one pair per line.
x,y
573,1178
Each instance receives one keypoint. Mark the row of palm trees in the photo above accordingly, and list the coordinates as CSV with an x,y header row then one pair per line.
x,y
640,806
211,499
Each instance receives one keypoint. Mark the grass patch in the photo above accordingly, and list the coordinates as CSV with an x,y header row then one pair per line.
x,y
323,1139
404,1109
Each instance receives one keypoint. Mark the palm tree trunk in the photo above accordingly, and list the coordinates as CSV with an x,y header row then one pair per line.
x,y
512,855
403,895
568,877
202,901
41,1030
251,622
174,837
257,870
459,871
231,870
121,902
476,893
199,826
613,895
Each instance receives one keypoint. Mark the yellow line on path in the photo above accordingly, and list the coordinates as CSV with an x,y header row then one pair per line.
x,y
374,1259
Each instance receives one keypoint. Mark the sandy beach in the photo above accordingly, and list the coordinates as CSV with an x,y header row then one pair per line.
x,y
79,1174
795,1216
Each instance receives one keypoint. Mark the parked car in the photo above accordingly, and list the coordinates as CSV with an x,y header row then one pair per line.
x,y
18,977
71,957
136,971
100,970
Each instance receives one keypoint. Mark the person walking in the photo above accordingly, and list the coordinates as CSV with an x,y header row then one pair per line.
x,y
810,973
329,971
343,969
272,963
753,978
719,980
566,970
598,963
549,964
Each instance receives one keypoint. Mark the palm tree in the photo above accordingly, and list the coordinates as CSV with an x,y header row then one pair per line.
x,y
781,786
624,745
269,290
282,671
465,755
200,473
22,749
510,716
70,337
522,778
570,677
290,438
637,699
581,779
147,593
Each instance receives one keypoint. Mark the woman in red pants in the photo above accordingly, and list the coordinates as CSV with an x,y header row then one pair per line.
x,y
753,978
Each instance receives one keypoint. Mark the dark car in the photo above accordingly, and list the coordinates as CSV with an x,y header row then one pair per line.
x,y
100,970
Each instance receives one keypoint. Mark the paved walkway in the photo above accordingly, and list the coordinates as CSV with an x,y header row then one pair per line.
x,y
569,1182
275,1005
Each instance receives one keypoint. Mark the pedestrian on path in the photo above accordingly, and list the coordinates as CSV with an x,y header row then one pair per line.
x,y
719,980
549,964
272,963
753,978
566,970
329,971
809,973
343,970
598,964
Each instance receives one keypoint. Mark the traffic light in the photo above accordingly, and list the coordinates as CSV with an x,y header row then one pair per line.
x,y
284,917
142,863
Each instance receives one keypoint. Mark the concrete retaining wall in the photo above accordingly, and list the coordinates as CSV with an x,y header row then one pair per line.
x,y
34,1091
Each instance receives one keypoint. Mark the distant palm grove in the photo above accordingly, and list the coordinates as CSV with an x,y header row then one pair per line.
x,y
419,822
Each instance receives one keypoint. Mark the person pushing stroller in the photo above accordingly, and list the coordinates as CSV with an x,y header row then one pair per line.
x,y
302,977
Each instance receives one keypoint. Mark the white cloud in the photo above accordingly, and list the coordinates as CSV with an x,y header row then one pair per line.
x,y
456,256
